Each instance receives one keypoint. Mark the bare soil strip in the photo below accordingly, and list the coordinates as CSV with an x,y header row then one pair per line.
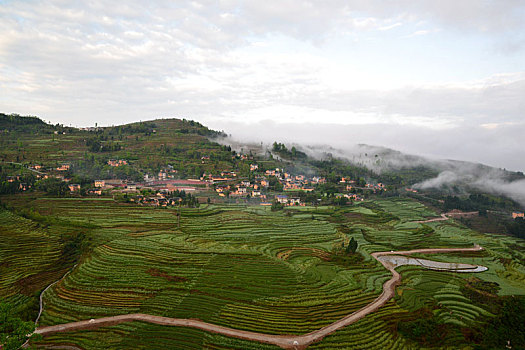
x,y
446,216
283,341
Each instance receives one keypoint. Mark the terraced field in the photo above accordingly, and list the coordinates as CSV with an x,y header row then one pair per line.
x,y
249,269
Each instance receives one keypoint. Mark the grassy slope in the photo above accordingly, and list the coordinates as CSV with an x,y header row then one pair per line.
x,y
242,267
175,142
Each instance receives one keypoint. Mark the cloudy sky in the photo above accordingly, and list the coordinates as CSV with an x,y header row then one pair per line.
x,y
445,79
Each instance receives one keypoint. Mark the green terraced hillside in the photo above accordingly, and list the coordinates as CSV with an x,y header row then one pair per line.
x,y
243,267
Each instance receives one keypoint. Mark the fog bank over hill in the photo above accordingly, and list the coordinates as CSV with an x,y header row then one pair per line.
x,y
498,146
495,182
340,142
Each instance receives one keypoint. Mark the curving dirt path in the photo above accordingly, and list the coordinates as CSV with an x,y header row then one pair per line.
x,y
442,218
446,216
283,341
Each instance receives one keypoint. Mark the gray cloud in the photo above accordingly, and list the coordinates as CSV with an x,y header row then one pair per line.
x,y
85,62
487,180
500,147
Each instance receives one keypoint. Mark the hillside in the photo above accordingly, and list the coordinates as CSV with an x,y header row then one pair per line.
x,y
163,219
147,146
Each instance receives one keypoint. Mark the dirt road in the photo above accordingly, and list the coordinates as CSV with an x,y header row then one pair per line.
x,y
447,216
283,341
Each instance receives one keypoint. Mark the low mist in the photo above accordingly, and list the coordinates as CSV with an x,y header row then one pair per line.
x,y
348,142
495,146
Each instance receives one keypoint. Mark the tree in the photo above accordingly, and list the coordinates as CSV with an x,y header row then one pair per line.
x,y
277,206
352,246
13,331
53,186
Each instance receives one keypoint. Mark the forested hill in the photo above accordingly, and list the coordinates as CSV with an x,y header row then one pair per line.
x,y
15,122
145,146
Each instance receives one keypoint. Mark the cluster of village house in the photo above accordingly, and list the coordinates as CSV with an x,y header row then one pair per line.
x,y
225,184
44,173
258,187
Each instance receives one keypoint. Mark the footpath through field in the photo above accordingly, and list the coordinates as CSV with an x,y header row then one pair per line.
x,y
446,216
283,341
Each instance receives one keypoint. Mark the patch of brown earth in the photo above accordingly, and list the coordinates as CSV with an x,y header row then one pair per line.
x,y
31,284
171,278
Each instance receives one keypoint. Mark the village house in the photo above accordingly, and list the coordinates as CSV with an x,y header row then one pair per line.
x,y
64,167
273,172
256,193
354,197
245,183
240,191
222,188
74,187
219,179
294,201
290,186
113,162
228,174
518,215
281,199
100,183
253,167
114,183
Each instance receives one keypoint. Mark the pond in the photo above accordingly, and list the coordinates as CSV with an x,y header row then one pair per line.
x,y
398,260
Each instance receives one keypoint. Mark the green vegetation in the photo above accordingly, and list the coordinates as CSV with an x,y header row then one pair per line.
x,y
275,269
242,267
476,202
13,331
149,146
352,246
517,228
292,153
